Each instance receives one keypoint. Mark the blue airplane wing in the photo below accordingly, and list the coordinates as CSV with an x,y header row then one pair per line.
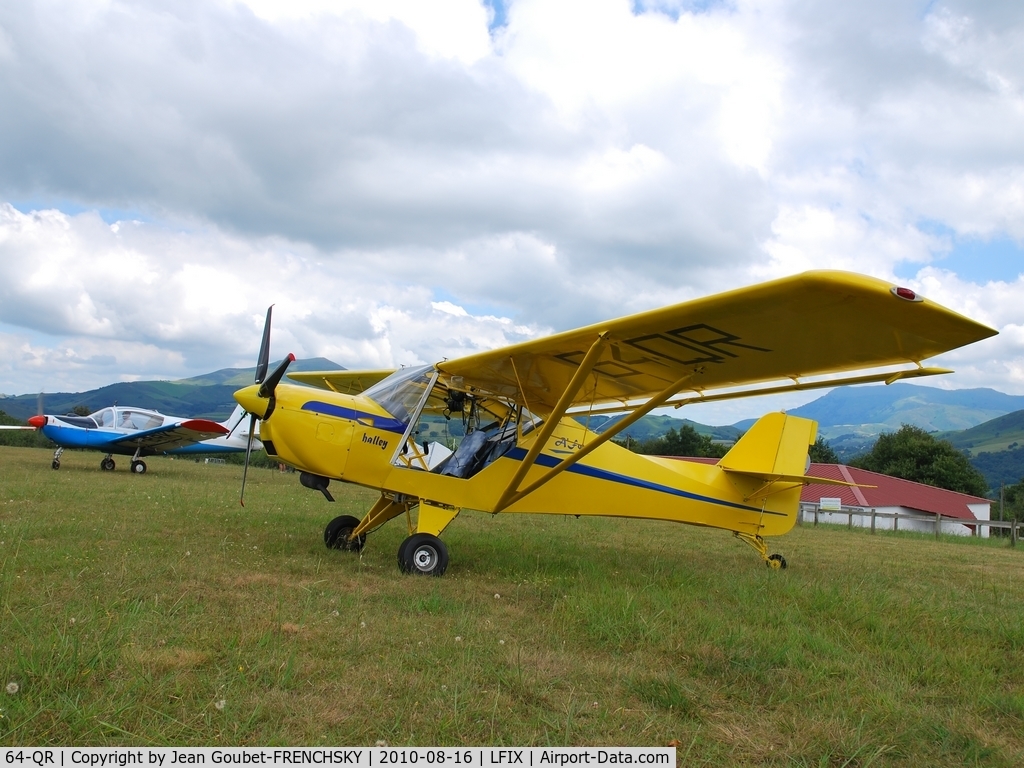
x,y
171,436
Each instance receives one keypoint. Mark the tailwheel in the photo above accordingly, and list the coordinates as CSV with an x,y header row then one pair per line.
x,y
338,533
776,562
107,464
423,554
139,467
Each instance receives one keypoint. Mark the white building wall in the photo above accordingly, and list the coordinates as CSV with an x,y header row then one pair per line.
x,y
920,522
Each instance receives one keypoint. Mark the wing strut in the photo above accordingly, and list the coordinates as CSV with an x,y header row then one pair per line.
x,y
552,420
512,494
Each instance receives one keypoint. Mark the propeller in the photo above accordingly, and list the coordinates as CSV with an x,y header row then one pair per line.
x,y
267,387
35,422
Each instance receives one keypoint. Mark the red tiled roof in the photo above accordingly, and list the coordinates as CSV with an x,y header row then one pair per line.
x,y
888,491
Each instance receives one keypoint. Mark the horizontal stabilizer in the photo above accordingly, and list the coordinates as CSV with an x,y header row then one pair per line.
x,y
802,479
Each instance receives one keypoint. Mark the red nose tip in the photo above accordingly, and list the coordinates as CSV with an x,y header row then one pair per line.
x,y
37,421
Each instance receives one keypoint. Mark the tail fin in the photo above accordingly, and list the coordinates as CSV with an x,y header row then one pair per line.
x,y
237,424
775,447
775,451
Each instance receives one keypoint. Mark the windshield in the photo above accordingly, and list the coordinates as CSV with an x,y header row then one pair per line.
x,y
104,418
400,393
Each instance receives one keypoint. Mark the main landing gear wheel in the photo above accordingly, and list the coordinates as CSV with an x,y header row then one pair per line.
x,y
423,554
776,562
337,532
139,467
55,464
107,464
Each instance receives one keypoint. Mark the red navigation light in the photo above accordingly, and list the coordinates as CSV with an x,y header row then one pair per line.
x,y
906,293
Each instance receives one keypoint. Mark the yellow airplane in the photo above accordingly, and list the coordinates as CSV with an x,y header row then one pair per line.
x,y
523,411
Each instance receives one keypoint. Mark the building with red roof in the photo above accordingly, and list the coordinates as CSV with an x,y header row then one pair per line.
x,y
922,504
917,505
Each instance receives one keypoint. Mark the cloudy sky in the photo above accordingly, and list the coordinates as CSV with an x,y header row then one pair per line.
x,y
409,181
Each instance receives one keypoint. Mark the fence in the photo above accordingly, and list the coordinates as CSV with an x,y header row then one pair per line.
x,y
920,523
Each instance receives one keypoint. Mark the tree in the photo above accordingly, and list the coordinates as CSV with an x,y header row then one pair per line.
x,y
1013,501
81,410
686,441
821,452
913,454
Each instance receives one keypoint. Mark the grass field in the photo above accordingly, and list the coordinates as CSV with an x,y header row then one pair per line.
x,y
154,610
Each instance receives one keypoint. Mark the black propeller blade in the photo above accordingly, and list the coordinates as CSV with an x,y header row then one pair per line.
x,y
267,387
248,453
268,384
263,361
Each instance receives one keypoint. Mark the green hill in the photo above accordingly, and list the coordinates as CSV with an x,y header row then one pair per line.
x,y
657,425
999,434
210,396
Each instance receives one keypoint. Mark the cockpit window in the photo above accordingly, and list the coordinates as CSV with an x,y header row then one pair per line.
x,y
138,420
104,418
400,393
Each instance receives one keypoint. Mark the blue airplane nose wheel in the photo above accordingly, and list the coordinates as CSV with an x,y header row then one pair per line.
x,y
423,554
776,562
107,465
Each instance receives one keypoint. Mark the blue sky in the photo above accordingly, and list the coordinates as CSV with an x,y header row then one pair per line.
x,y
979,259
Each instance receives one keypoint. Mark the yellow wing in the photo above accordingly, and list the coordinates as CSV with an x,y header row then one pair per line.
x,y
810,324
346,382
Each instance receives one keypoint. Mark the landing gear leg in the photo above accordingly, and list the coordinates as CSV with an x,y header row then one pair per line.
x,y
423,554
338,534
775,561
349,533
56,457
107,464
138,466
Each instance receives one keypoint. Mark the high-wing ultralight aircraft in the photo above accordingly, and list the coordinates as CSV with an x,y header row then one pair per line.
x,y
138,432
525,411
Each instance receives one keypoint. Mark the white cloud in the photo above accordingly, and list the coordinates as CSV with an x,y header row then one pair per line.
x,y
407,186
449,28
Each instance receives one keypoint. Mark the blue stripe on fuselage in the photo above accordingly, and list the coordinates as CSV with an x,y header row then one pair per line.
x,y
518,454
385,423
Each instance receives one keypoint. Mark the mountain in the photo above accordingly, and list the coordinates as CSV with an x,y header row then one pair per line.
x,y
241,377
657,425
1000,434
851,418
996,448
209,396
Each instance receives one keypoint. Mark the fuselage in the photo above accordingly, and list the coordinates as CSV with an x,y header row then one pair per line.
x,y
106,430
353,438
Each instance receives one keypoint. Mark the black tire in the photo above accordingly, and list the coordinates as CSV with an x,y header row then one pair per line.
x,y
423,554
55,464
139,467
401,554
337,532
776,562
107,465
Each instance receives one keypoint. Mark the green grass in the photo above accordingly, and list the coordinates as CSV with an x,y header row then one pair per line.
x,y
155,610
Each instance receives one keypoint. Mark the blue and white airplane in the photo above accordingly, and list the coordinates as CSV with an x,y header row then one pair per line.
x,y
138,432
